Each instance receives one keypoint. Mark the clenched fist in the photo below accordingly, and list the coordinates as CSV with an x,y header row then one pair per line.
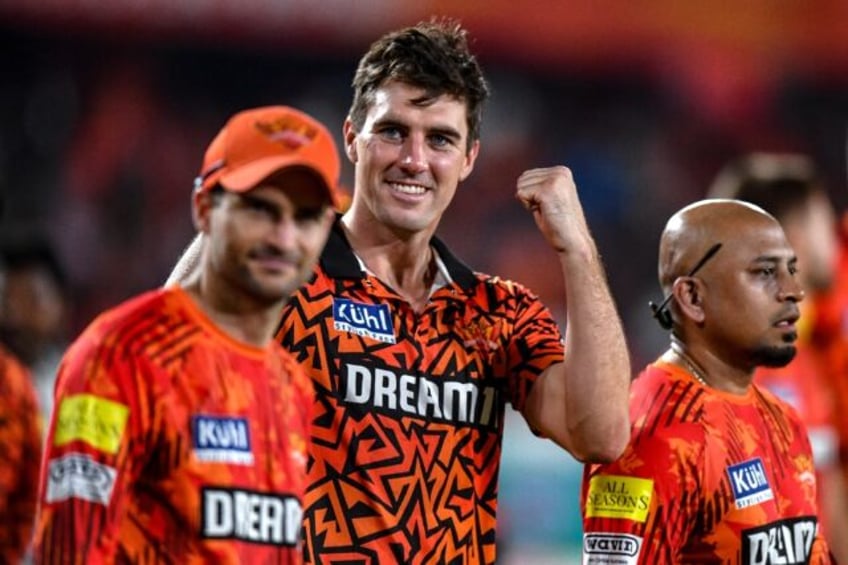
x,y
551,195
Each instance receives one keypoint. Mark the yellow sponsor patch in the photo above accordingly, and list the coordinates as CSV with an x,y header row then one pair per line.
x,y
91,419
614,496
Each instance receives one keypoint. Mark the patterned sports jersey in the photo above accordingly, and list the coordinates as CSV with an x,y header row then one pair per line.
x,y
171,442
406,436
708,477
20,453
802,384
830,334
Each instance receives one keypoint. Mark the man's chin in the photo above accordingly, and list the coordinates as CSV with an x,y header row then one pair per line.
x,y
778,356
280,288
270,290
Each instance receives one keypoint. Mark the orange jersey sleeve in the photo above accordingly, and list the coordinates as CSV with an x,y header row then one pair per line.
x,y
708,477
20,451
172,443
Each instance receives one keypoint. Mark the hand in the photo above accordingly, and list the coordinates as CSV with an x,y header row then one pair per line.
x,y
550,194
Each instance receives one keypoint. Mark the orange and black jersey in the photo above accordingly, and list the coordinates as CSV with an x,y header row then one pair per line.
x,y
171,442
830,336
708,477
20,452
407,428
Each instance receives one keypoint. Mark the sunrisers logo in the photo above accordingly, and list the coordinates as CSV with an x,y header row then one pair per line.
x,y
614,496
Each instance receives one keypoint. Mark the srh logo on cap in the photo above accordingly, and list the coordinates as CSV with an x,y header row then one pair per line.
x,y
256,143
288,132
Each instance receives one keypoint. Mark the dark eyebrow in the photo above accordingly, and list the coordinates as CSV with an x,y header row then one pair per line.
x,y
445,131
389,121
775,259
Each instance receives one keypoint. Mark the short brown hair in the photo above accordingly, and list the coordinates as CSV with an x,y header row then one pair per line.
x,y
776,182
431,55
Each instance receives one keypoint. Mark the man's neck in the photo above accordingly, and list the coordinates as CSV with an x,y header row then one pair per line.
x,y
407,264
708,368
243,319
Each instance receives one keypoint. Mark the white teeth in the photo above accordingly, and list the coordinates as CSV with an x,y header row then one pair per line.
x,y
408,188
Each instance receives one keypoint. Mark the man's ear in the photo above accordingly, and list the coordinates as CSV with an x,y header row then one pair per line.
x,y
350,135
689,295
470,158
201,210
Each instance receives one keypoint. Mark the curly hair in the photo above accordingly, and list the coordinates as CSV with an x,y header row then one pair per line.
x,y
433,56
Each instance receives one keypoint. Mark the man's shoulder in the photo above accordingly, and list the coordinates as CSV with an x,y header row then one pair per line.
x,y
664,401
135,320
776,405
494,289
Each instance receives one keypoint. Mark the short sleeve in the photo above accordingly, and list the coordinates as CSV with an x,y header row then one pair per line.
x,y
641,509
94,452
534,344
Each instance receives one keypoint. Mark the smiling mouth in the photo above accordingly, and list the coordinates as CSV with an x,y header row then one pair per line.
x,y
406,188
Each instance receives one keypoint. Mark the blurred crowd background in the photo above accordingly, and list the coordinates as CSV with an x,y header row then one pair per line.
x,y
106,109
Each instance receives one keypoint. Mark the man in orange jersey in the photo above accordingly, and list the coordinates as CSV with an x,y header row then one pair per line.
x,y
789,187
34,310
718,470
830,334
180,429
20,451
415,356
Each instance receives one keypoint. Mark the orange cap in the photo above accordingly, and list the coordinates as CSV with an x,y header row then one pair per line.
x,y
256,143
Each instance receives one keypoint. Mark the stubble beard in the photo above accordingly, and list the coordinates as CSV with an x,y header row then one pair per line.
x,y
776,355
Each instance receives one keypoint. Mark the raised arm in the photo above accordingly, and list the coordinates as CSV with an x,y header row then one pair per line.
x,y
582,403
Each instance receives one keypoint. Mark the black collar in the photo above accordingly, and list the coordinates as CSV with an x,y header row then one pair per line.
x,y
339,262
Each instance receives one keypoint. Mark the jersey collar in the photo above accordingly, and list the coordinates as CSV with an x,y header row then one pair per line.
x,y
339,261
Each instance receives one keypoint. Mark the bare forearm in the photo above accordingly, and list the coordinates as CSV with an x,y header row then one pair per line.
x,y
596,362
582,403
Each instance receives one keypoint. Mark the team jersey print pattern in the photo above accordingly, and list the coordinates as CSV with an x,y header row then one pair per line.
x,y
409,411
20,449
708,477
173,443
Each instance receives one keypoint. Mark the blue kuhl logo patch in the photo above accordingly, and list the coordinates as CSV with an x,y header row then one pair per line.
x,y
221,439
749,483
368,320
